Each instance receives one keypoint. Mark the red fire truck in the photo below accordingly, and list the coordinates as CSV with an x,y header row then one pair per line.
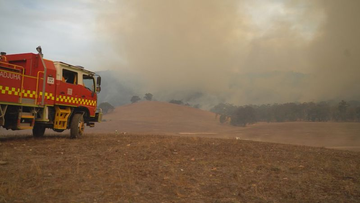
x,y
37,93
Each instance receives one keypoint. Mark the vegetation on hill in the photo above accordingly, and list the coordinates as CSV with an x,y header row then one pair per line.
x,y
148,96
135,99
314,112
106,107
180,102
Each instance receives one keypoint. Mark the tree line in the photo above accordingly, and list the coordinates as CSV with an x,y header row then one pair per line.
x,y
180,102
307,111
148,97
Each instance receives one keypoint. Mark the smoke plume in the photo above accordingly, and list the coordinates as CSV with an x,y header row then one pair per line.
x,y
238,51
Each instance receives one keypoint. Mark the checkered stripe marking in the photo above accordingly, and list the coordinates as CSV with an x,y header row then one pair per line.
x,y
9,90
28,93
48,96
74,100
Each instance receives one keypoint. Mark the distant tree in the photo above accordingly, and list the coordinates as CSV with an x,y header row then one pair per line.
x,y
357,114
135,99
219,109
342,109
311,111
106,107
351,114
323,110
148,96
243,115
279,113
179,102
223,118
263,112
318,112
224,109
292,111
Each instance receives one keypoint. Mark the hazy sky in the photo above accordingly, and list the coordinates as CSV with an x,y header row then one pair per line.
x,y
241,51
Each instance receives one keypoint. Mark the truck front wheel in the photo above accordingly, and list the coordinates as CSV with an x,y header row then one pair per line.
x,y
38,130
77,126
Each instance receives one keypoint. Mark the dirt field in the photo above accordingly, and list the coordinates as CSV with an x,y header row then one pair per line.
x,y
159,152
145,168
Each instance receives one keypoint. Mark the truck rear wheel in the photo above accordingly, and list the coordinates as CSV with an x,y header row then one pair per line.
x,y
38,130
77,126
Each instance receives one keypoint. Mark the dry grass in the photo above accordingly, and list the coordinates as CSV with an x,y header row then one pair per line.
x,y
149,168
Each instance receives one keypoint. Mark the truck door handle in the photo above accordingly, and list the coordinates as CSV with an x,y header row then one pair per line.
x,y
83,96
62,92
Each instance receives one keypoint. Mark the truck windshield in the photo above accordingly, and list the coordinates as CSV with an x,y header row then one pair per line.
x,y
89,82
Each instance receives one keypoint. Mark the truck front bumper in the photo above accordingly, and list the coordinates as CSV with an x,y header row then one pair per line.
x,y
98,116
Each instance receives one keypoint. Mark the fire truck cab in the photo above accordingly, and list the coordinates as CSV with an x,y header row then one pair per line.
x,y
37,93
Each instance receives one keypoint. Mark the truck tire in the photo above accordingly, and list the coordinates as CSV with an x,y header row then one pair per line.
x,y
77,126
38,130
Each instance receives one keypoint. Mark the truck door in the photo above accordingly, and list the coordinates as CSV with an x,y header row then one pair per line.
x,y
88,93
67,91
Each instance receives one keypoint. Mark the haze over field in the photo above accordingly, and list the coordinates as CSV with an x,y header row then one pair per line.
x,y
204,51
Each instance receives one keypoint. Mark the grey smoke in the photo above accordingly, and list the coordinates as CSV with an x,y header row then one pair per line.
x,y
239,51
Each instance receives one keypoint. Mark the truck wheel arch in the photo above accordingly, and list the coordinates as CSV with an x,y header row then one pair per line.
x,y
84,111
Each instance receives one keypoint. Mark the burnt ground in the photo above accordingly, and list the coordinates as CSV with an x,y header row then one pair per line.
x,y
154,168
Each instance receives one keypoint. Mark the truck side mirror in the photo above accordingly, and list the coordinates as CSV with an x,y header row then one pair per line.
x,y
98,81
